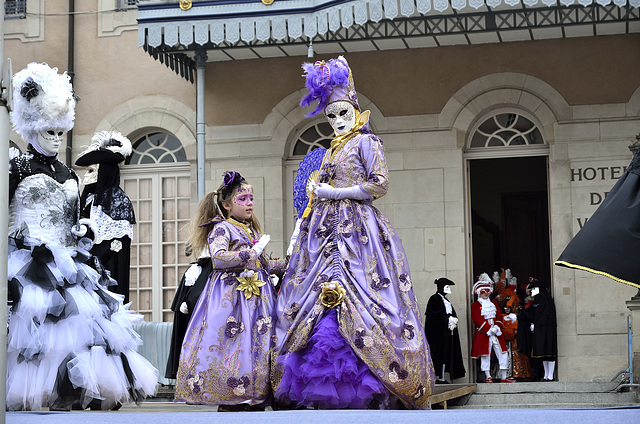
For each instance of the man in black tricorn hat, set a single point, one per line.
(542, 316)
(107, 206)
(441, 329)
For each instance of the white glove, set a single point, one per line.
(531, 327)
(294, 237)
(79, 230)
(184, 308)
(89, 223)
(494, 331)
(453, 323)
(326, 191)
(261, 244)
(511, 317)
(84, 245)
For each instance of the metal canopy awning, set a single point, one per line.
(249, 29)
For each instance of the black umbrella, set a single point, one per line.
(609, 242)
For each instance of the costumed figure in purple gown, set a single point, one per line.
(225, 354)
(349, 332)
(70, 342)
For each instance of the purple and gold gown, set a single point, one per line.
(225, 353)
(372, 347)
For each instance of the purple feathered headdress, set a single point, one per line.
(328, 82)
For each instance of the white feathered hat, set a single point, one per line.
(43, 99)
(484, 282)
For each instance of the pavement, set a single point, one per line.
(168, 412)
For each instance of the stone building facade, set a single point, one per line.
(448, 115)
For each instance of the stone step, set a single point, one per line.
(547, 387)
(547, 395)
(551, 398)
(543, 406)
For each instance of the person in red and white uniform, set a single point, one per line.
(488, 320)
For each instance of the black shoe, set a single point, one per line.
(95, 405)
(442, 382)
(242, 407)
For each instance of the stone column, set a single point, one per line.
(634, 306)
(201, 63)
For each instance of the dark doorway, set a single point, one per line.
(510, 217)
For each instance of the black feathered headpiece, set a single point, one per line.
(231, 180)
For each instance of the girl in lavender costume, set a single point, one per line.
(225, 354)
(348, 333)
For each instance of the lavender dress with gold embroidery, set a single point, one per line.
(225, 353)
(372, 345)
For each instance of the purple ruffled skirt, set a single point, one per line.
(327, 373)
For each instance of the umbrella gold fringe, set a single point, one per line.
(594, 271)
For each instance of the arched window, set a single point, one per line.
(317, 135)
(157, 147)
(505, 129)
(157, 179)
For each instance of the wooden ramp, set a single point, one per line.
(445, 392)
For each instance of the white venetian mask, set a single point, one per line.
(50, 140)
(91, 176)
(446, 289)
(341, 116)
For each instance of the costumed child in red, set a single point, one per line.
(511, 309)
(487, 318)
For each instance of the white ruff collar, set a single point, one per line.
(488, 310)
(447, 305)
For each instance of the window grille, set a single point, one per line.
(506, 129)
(156, 148)
(126, 4)
(317, 135)
(15, 9)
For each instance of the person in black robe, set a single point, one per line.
(108, 207)
(187, 294)
(441, 329)
(541, 317)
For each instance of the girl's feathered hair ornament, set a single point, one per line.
(230, 181)
(43, 99)
(328, 82)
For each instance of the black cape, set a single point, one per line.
(443, 343)
(117, 205)
(608, 241)
(190, 295)
(544, 339)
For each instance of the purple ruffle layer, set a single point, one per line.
(327, 373)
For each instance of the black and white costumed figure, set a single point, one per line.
(187, 294)
(107, 206)
(541, 315)
(441, 329)
(70, 342)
